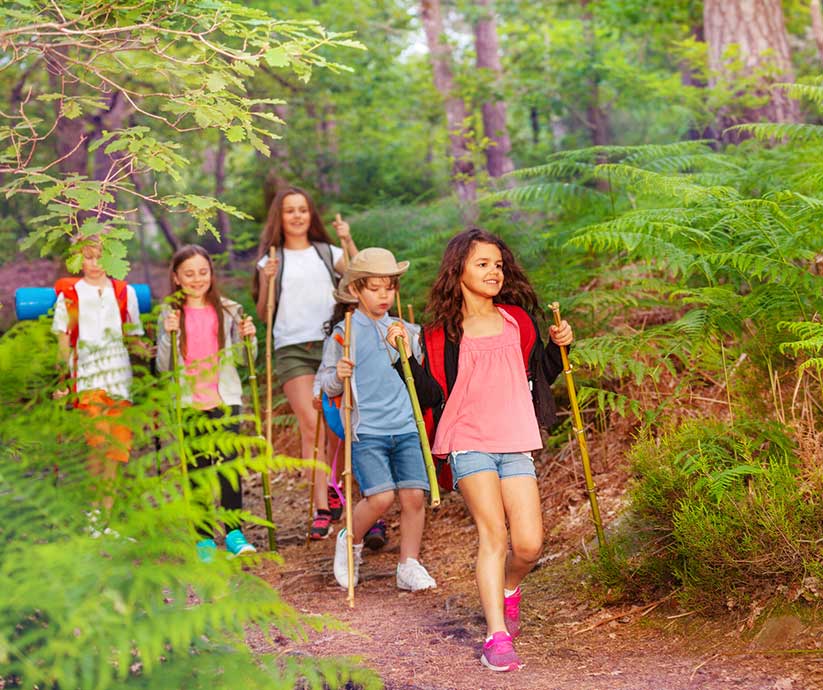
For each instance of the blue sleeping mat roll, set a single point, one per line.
(34, 302)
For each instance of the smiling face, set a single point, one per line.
(296, 218)
(375, 295)
(483, 271)
(194, 277)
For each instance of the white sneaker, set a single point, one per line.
(413, 576)
(341, 560)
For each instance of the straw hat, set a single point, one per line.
(372, 262)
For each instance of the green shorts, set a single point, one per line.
(300, 359)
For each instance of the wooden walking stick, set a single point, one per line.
(411, 313)
(579, 432)
(269, 338)
(421, 425)
(255, 397)
(347, 406)
(178, 418)
(315, 453)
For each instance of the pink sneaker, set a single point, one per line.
(499, 655)
(511, 613)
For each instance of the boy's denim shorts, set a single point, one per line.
(465, 463)
(384, 463)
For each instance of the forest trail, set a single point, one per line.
(432, 640)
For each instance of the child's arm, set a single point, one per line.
(429, 393)
(59, 327)
(327, 379)
(341, 227)
(169, 321)
(266, 271)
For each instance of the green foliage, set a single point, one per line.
(719, 512)
(98, 601)
(149, 72)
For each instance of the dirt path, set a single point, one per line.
(432, 640)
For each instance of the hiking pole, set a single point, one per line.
(178, 417)
(255, 397)
(421, 426)
(577, 425)
(315, 453)
(347, 459)
(411, 313)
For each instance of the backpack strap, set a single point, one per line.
(121, 294)
(528, 332)
(67, 288)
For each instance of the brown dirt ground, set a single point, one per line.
(432, 640)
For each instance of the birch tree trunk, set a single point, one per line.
(463, 177)
(817, 25)
(486, 45)
(223, 220)
(758, 28)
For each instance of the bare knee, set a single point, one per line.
(412, 500)
(381, 502)
(493, 541)
(528, 550)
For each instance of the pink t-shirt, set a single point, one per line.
(202, 356)
(490, 407)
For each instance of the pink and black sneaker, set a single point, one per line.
(499, 655)
(321, 525)
(511, 613)
(335, 504)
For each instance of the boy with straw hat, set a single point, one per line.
(386, 455)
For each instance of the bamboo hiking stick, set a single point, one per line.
(178, 417)
(269, 337)
(411, 313)
(577, 425)
(421, 426)
(255, 397)
(347, 456)
(319, 421)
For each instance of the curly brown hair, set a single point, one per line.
(445, 305)
(272, 233)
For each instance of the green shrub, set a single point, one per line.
(719, 511)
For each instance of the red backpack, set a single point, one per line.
(67, 288)
(434, 340)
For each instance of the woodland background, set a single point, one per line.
(655, 165)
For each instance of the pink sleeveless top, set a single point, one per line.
(202, 358)
(490, 407)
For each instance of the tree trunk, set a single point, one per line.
(326, 127)
(596, 117)
(817, 25)
(487, 49)
(463, 177)
(758, 29)
(223, 221)
(162, 223)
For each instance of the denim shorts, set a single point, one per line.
(385, 463)
(464, 463)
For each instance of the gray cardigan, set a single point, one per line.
(228, 385)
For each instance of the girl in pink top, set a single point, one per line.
(487, 414)
(210, 331)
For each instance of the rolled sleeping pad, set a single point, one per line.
(34, 302)
(331, 411)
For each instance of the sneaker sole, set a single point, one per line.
(407, 588)
(374, 543)
(513, 666)
(318, 537)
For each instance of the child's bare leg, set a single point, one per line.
(521, 500)
(299, 394)
(106, 471)
(482, 494)
(367, 511)
(412, 521)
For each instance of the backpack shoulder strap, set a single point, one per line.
(323, 250)
(528, 331)
(67, 288)
(121, 294)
